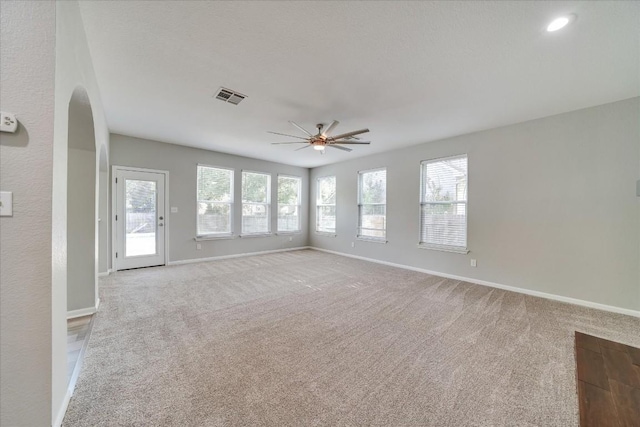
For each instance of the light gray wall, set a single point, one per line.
(81, 204)
(80, 228)
(73, 69)
(44, 58)
(181, 163)
(103, 225)
(27, 52)
(552, 205)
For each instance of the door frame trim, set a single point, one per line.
(114, 198)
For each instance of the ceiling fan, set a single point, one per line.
(324, 139)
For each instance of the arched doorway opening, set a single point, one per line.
(103, 212)
(81, 214)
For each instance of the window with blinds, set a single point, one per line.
(214, 201)
(326, 204)
(372, 204)
(256, 203)
(443, 204)
(289, 203)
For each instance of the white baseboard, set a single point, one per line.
(83, 311)
(104, 273)
(216, 258)
(574, 301)
(63, 409)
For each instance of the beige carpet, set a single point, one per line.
(307, 338)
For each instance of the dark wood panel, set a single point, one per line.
(612, 345)
(634, 353)
(596, 407)
(588, 342)
(608, 382)
(591, 368)
(627, 401)
(619, 367)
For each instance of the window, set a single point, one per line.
(326, 205)
(289, 203)
(214, 201)
(443, 204)
(372, 204)
(256, 203)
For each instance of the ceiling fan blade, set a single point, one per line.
(302, 148)
(355, 132)
(350, 142)
(339, 147)
(331, 127)
(290, 142)
(284, 134)
(300, 127)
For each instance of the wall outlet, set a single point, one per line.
(353, 244)
(8, 122)
(474, 263)
(198, 246)
(290, 238)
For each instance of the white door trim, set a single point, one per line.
(114, 170)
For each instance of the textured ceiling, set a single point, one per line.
(412, 72)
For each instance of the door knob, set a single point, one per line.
(161, 218)
(160, 224)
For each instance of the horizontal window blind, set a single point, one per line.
(214, 201)
(443, 207)
(289, 203)
(372, 204)
(326, 204)
(256, 203)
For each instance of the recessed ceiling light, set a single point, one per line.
(560, 22)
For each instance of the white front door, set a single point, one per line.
(139, 218)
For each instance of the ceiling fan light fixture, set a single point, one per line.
(322, 140)
(560, 22)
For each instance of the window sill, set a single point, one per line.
(214, 237)
(371, 240)
(325, 233)
(444, 249)
(244, 236)
(288, 233)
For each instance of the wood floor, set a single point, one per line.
(608, 382)
(78, 330)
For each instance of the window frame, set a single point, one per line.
(359, 236)
(299, 205)
(436, 247)
(320, 205)
(268, 204)
(231, 203)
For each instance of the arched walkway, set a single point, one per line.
(103, 211)
(81, 210)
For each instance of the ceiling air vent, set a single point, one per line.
(229, 96)
(235, 99)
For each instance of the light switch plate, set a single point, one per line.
(6, 203)
(174, 209)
